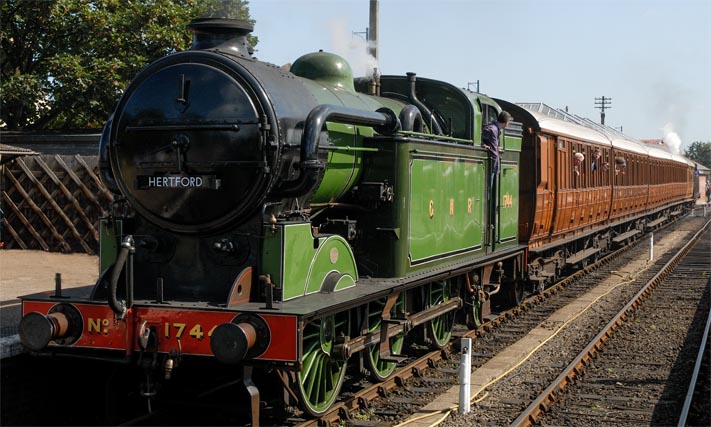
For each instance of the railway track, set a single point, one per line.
(641, 374)
(430, 374)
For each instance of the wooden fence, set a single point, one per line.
(53, 203)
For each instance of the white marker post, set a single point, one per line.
(465, 376)
(651, 246)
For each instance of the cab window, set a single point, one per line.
(489, 114)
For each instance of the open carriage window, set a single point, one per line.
(578, 169)
(620, 168)
(597, 166)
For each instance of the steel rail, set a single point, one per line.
(694, 377)
(545, 400)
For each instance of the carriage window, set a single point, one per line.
(621, 169)
(595, 166)
(603, 167)
(564, 164)
(585, 167)
(578, 166)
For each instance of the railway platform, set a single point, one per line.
(25, 272)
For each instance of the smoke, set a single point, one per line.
(671, 139)
(670, 103)
(353, 47)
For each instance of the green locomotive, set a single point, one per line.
(298, 220)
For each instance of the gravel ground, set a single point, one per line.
(642, 374)
(511, 395)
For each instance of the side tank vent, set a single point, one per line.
(221, 33)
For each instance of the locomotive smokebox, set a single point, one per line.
(194, 144)
(221, 33)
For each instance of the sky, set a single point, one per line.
(651, 57)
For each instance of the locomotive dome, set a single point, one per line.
(325, 68)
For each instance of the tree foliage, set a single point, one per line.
(699, 152)
(65, 63)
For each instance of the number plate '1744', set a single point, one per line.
(207, 182)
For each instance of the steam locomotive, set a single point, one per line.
(304, 221)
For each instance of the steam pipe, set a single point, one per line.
(384, 121)
(119, 307)
(412, 78)
(128, 241)
(411, 119)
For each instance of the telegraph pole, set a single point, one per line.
(603, 103)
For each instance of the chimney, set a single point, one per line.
(223, 34)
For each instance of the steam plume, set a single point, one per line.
(671, 139)
(353, 48)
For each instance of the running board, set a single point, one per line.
(655, 223)
(624, 236)
(581, 255)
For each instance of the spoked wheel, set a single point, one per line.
(440, 328)
(475, 316)
(324, 363)
(516, 287)
(380, 370)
